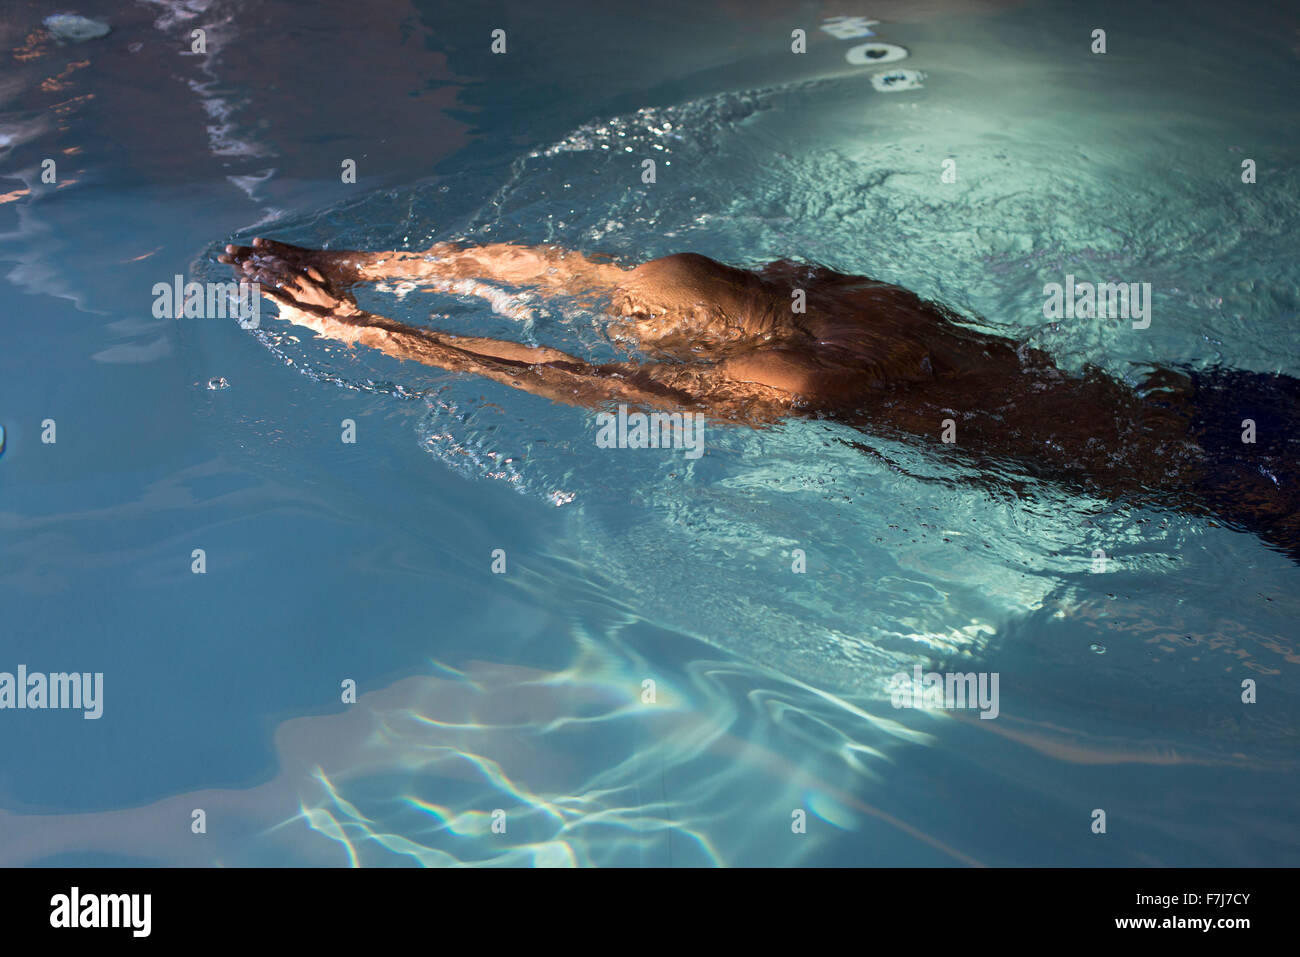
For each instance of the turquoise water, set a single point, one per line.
(525, 692)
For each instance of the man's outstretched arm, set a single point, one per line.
(550, 269)
(305, 300)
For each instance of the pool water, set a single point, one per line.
(569, 655)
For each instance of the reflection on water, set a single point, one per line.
(587, 764)
(502, 764)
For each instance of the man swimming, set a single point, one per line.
(735, 345)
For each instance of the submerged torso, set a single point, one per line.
(798, 340)
(794, 340)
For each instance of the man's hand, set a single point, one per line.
(290, 276)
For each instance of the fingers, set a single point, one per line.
(329, 270)
(267, 271)
(286, 275)
(234, 254)
(269, 254)
(285, 251)
(257, 261)
(261, 247)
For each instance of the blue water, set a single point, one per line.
(526, 692)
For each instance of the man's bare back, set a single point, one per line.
(791, 339)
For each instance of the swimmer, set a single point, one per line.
(706, 337)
